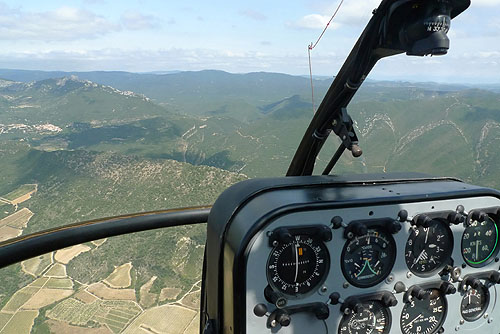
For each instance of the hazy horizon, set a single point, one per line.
(316, 77)
(147, 36)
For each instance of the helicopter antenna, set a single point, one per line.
(311, 46)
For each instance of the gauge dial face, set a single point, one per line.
(480, 242)
(299, 266)
(424, 316)
(474, 303)
(375, 318)
(428, 248)
(368, 259)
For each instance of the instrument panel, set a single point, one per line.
(413, 268)
(418, 266)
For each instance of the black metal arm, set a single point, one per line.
(28, 246)
(417, 27)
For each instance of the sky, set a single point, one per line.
(234, 36)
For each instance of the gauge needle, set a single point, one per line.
(296, 261)
(477, 250)
(422, 254)
(408, 324)
(426, 235)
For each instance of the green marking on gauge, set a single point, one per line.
(492, 251)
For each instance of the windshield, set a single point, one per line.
(109, 108)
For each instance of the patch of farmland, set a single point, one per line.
(37, 265)
(67, 254)
(21, 322)
(194, 326)
(85, 297)
(46, 297)
(168, 319)
(115, 314)
(74, 311)
(147, 299)
(104, 292)
(7, 232)
(169, 293)
(19, 298)
(99, 242)
(59, 283)
(4, 318)
(40, 282)
(61, 327)
(6, 209)
(21, 194)
(119, 314)
(191, 300)
(120, 277)
(18, 219)
(57, 270)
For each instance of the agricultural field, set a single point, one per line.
(21, 322)
(13, 225)
(99, 242)
(18, 220)
(59, 283)
(57, 270)
(35, 266)
(61, 327)
(107, 293)
(46, 296)
(148, 299)
(67, 254)
(120, 277)
(168, 319)
(21, 194)
(169, 294)
(7, 232)
(19, 299)
(116, 315)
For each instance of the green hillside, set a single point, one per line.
(66, 100)
(82, 185)
(95, 151)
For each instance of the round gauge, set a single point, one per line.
(424, 316)
(474, 303)
(428, 248)
(297, 267)
(368, 259)
(480, 242)
(374, 318)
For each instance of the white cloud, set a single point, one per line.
(313, 21)
(476, 66)
(134, 20)
(350, 13)
(355, 12)
(64, 23)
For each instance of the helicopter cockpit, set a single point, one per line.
(354, 254)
